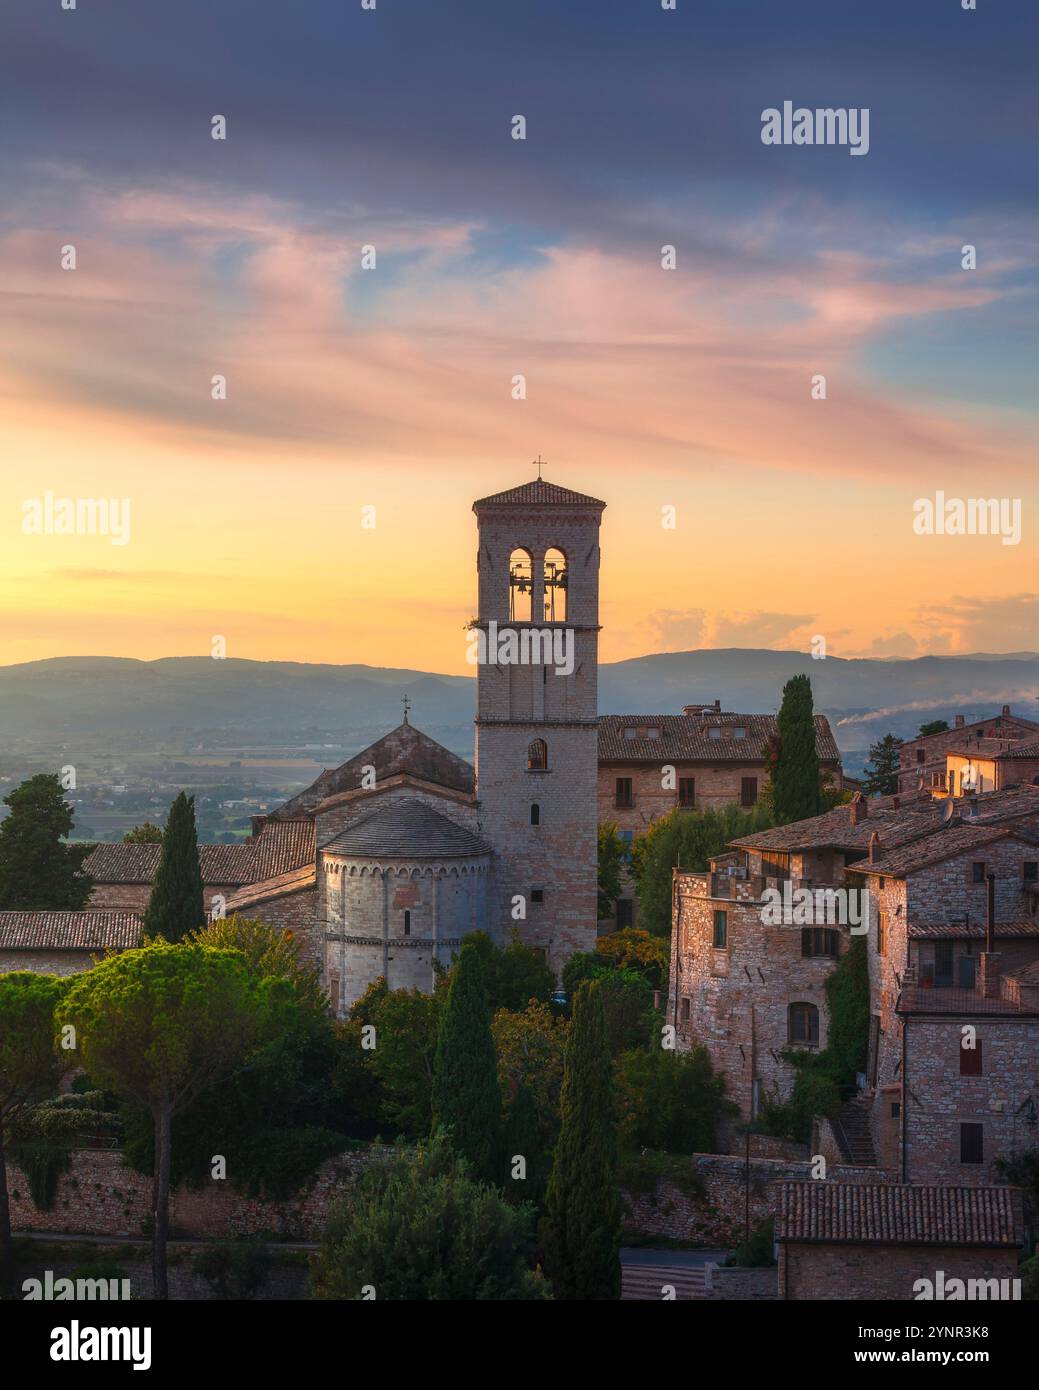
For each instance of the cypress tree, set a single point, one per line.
(522, 1139)
(177, 903)
(796, 792)
(466, 1095)
(582, 1227)
(37, 869)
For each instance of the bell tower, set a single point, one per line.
(537, 643)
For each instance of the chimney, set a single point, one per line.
(718, 705)
(896, 802)
(874, 847)
(859, 808)
(990, 913)
(959, 721)
(1006, 709)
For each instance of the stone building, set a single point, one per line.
(888, 1241)
(923, 762)
(951, 910)
(745, 989)
(705, 757)
(948, 898)
(392, 858)
(63, 943)
(384, 864)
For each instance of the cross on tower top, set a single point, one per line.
(539, 463)
(407, 705)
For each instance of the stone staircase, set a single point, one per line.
(647, 1282)
(851, 1130)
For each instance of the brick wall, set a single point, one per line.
(882, 1271)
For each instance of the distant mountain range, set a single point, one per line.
(175, 702)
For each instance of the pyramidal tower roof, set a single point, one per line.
(539, 494)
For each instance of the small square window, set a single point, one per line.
(921, 755)
(1030, 870)
(537, 895)
(977, 871)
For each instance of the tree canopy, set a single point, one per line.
(38, 870)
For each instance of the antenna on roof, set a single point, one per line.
(407, 705)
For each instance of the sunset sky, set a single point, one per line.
(392, 387)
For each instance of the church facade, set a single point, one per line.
(385, 863)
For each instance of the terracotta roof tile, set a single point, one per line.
(893, 1214)
(686, 738)
(958, 1003)
(957, 931)
(944, 843)
(221, 864)
(295, 881)
(69, 931)
(538, 493)
(410, 829)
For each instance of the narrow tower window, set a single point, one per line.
(521, 587)
(555, 586)
(535, 814)
(407, 923)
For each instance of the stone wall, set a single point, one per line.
(882, 1271)
(939, 1099)
(735, 1001)
(288, 1277)
(747, 1285)
(708, 1208)
(48, 962)
(99, 1196)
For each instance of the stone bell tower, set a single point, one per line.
(537, 639)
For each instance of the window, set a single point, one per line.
(739, 733)
(748, 791)
(803, 1024)
(521, 587)
(943, 964)
(625, 913)
(555, 587)
(972, 1143)
(921, 755)
(721, 930)
(624, 798)
(407, 923)
(714, 732)
(896, 1109)
(977, 872)
(970, 1059)
(685, 1011)
(1030, 870)
(535, 814)
(537, 895)
(967, 972)
(687, 791)
(627, 838)
(818, 941)
(537, 756)
(881, 933)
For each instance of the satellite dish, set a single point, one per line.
(948, 811)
